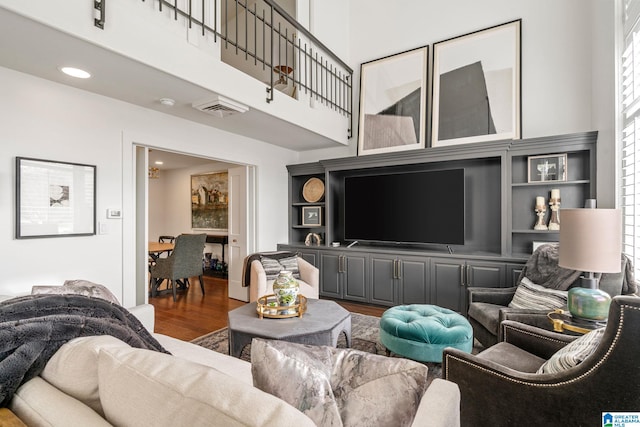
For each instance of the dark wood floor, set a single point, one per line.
(193, 314)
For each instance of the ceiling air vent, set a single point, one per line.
(220, 106)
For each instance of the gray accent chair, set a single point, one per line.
(489, 307)
(499, 386)
(185, 261)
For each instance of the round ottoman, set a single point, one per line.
(420, 331)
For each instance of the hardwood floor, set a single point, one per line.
(193, 314)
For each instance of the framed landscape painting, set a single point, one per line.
(393, 103)
(476, 87)
(210, 201)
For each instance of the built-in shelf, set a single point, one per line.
(550, 183)
(535, 231)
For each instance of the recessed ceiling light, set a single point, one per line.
(75, 72)
(167, 102)
(159, 163)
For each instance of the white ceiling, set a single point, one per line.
(39, 50)
(179, 161)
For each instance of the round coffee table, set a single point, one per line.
(321, 324)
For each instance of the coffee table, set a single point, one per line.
(321, 324)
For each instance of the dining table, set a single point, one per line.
(156, 249)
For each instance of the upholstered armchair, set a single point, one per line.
(260, 285)
(500, 386)
(488, 307)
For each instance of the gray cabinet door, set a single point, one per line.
(384, 281)
(485, 274)
(414, 279)
(312, 257)
(447, 283)
(330, 275)
(513, 272)
(354, 276)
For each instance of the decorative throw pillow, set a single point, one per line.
(535, 297)
(78, 287)
(147, 388)
(274, 266)
(573, 353)
(73, 369)
(337, 387)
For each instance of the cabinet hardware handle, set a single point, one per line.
(461, 275)
(399, 271)
(469, 275)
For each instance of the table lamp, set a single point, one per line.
(591, 242)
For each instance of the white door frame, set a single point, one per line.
(135, 205)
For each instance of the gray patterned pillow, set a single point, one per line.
(535, 297)
(337, 387)
(274, 266)
(78, 287)
(573, 353)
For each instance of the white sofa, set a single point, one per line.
(101, 381)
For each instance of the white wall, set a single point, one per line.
(170, 203)
(47, 120)
(567, 60)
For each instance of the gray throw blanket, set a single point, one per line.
(34, 327)
(542, 268)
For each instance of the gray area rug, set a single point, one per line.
(364, 337)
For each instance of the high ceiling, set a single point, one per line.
(39, 50)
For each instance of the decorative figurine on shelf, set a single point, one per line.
(554, 203)
(541, 210)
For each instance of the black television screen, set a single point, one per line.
(415, 207)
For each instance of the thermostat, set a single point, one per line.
(114, 213)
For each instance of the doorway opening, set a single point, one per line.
(164, 206)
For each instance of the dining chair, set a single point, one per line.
(184, 262)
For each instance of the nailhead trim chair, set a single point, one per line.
(499, 386)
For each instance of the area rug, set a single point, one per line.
(364, 337)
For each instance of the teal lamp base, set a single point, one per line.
(589, 303)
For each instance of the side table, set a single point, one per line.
(9, 419)
(563, 321)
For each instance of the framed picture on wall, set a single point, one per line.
(393, 103)
(210, 201)
(311, 216)
(476, 86)
(54, 199)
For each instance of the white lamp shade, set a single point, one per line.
(591, 240)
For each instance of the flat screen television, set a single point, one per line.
(424, 207)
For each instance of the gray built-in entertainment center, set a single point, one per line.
(499, 216)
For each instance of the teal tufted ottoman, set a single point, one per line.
(420, 331)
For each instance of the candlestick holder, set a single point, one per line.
(541, 210)
(554, 221)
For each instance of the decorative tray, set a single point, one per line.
(267, 306)
(313, 190)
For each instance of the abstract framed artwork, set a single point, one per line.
(210, 201)
(393, 102)
(476, 86)
(54, 199)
